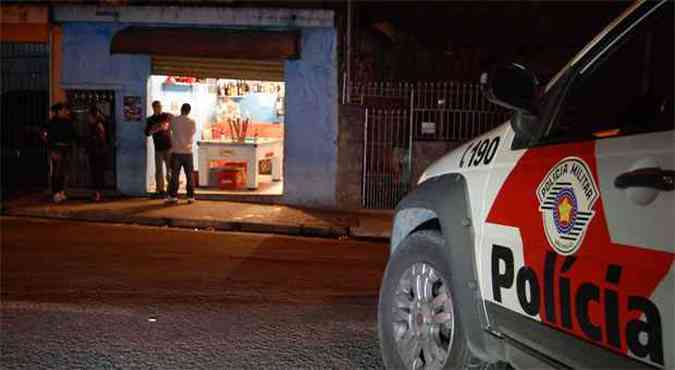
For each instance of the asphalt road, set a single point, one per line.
(83, 295)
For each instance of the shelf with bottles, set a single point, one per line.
(237, 89)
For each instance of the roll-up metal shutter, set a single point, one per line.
(258, 70)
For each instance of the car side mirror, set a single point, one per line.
(511, 86)
(514, 87)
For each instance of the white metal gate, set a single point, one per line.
(400, 114)
(386, 157)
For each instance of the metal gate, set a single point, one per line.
(24, 108)
(452, 111)
(81, 100)
(400, 114)
(386, 157)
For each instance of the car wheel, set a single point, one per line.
(418, 323)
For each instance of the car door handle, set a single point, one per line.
(652, 177)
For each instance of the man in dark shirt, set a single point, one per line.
(59, 135)
(157, 125)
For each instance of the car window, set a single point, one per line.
(626, 91)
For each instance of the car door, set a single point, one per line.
(579, 242)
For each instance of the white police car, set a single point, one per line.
(548, 242)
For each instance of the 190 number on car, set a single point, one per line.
(480, 152)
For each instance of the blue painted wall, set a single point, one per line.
(311, 121)
(87, 63)
(311, 107)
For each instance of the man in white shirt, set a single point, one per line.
(183, 131)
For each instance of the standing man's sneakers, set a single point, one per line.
(171, 200)
(191, 200)
(58, 198)
(63, 196)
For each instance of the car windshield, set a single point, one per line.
(565, 70)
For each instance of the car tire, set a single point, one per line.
(420, 249)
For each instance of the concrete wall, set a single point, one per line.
(24, 23)
(311, 107)
(350, 156)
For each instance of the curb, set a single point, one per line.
(314, 231)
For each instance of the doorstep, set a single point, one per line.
(239, 198)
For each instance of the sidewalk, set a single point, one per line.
(212, 215)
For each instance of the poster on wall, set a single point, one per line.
(133, 110)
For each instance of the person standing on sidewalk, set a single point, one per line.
(183, 131)
(97, 146)
(59, 135)
(157, 125)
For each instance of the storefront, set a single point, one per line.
(240, 132)
(262, 83)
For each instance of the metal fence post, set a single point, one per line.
(410, 138)
(364, 195)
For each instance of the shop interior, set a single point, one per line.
(238, 146)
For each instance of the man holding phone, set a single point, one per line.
(157, 125)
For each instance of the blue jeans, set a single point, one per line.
(178, 161)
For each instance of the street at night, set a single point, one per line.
(85, 295)
(419, 185)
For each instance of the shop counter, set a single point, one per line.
(251, 152)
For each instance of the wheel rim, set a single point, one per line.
(423, 320)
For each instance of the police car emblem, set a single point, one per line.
(566, 198)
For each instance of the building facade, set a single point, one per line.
(110, 53)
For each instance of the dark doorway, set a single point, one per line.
(24, 155)
(81, 101)
(24, 108)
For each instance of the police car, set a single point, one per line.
(548, 242)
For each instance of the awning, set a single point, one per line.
(207, 43)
